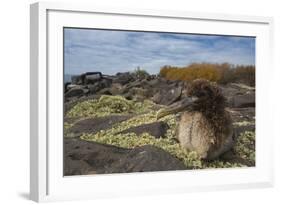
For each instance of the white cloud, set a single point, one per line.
(120, 51)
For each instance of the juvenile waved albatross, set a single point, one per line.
(205, 126)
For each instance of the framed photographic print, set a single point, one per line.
(127, 102)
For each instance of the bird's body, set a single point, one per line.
(205, 126)
(195, 133)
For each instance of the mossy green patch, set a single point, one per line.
(66, 127)
(243, 123)
(144, 114)
(131, 140)
(108, 105)
(245, 146)
(221, 164)
(167, 143)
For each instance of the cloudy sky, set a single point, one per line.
(119, 51)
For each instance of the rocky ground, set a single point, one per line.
(110, 125)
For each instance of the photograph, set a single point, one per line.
(145, 101)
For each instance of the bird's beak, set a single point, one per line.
(178, 107)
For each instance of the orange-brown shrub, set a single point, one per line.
(221, 73)
(245, 74)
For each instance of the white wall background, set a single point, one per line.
(14, 101)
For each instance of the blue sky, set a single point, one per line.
(120, 51)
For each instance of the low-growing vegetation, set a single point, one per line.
(108, 105)
(245, 146)
(144, 114)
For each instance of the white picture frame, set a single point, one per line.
(47, 182)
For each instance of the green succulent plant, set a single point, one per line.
(143, 113)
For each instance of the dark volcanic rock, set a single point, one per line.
(154, 83)
(93, 157)
(76, 167)
(242, 114)
(239, 95)
(157, 97)
(241, 129)
(156, 129)
(76, 79)
(146, 158)
(167, 96)
(66, 86)
(231, 157)
(116, 89)
(240, 101)
(92, 77)
(241, 86)
(94, 88)
(76, 91)
(134, 84)
(229, 91)
(97, 86)
(82, 157)
(86, 78)
(139, 94)
(105, 91)
(94, 125)
(123, 78)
